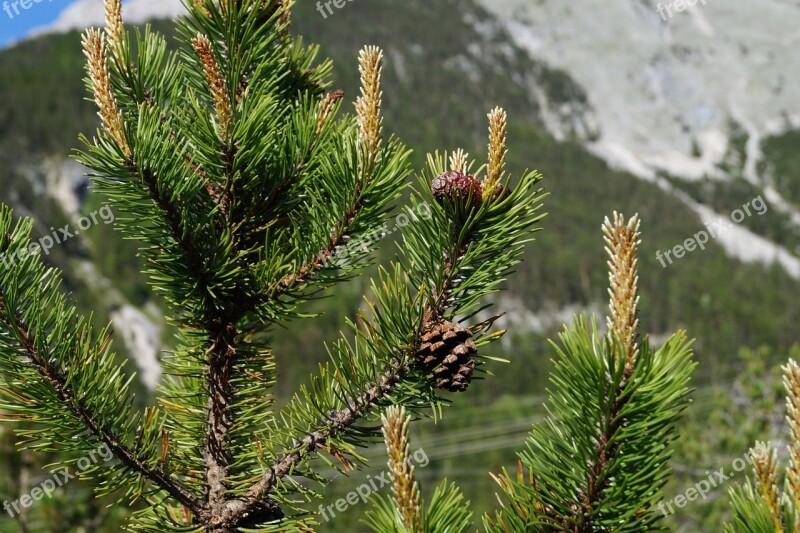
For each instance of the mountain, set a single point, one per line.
(617, 109)
(678, 94)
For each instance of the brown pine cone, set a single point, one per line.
(446, 353)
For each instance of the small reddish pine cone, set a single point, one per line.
(453, 187)
(446, 354)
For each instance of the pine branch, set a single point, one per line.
(359, 406)
(759, 505)
(177, 225)
(52, 361)
(599, 460)
(395, 340)
(222, 353)
(87, 417)
(335, 424)
(360, 195)
(218, 319)
(221, 330)
(221, 357)
(622, 240)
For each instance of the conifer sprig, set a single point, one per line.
(599, 460)
(442, 274)
(405, 512)
(214, 351)
(62, 376)
(760, 505)
(401, 471)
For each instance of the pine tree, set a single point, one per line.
(250, 193)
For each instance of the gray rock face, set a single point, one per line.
(666, 87)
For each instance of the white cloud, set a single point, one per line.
(85, 13)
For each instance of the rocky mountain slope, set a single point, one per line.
(672, 92)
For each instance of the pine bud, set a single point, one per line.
(765, 468)
(216, 84)
(498, 148)
(326, 108)
(368, 106)
(458, 161)
(791, 382)
(94, 48)
(114, 32)
(404, 487)
(622, 243)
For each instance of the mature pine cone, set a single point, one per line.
(446, 353)
(453, 187)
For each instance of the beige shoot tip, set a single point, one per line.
(216, 84)
(622, 243)
(498, 148)
(459, 161)
(94, 48)
(404, 488)
(368, 104)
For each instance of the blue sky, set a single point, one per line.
(32, 13)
